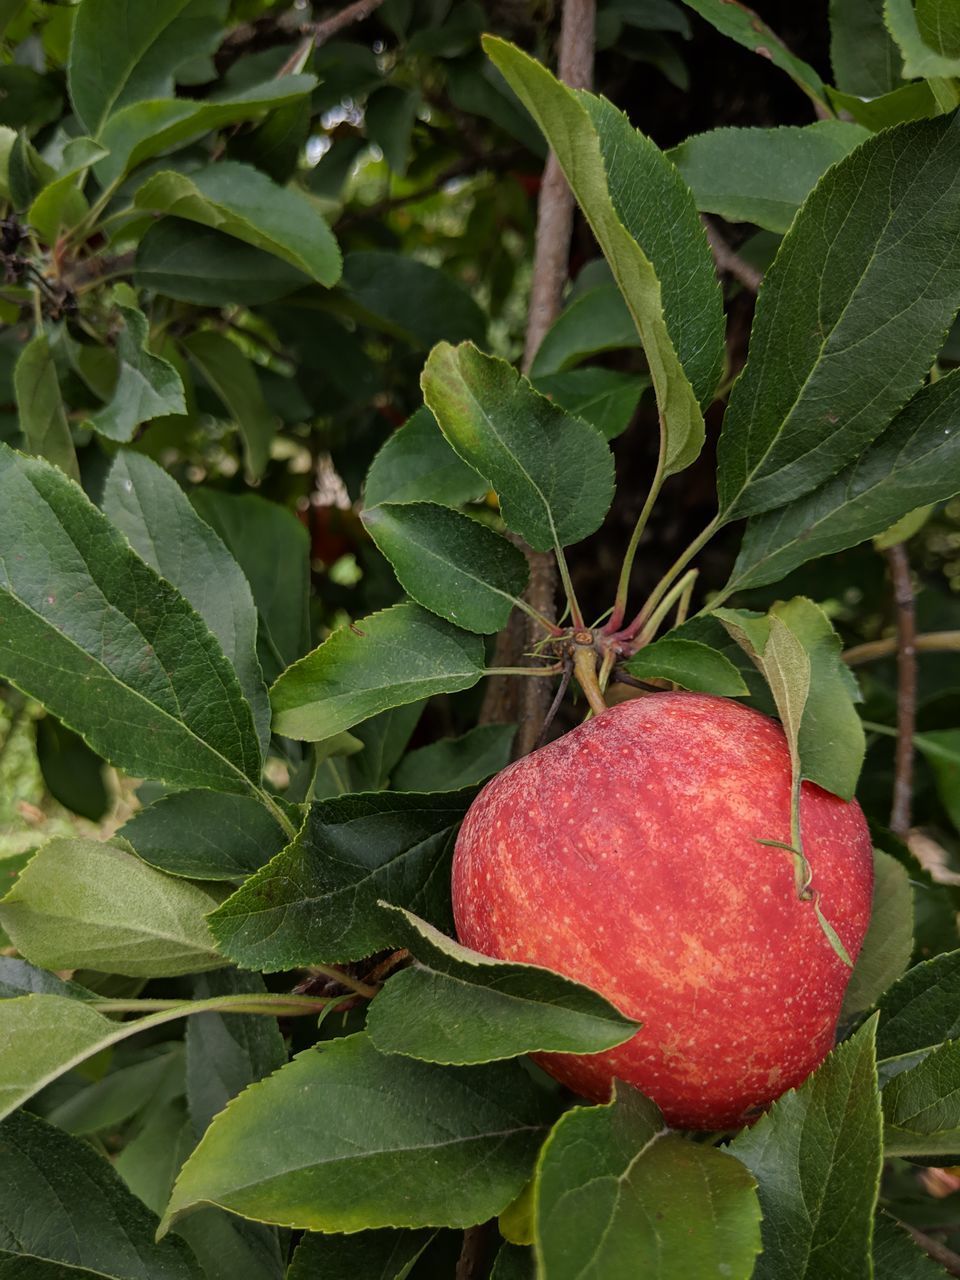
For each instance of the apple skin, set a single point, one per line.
(625, 855)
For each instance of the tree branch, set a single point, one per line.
(899, 565)
(930, 642)
(551, 259)
(949, 1260)
(730, 262)
(318, 33)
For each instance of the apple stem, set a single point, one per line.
(585, 668)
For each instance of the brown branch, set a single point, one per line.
(551, 258)
(899, 565)
(949, 1260)
(929, 642)
(318, 33)
(729, 262)
(476, 1255)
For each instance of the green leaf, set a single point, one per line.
(553, 472)
(147, 387)
(690, 664)
(345, 1139)
(72, 773)
(595, 321)
(412, 298)
(390, 116)
(921, 1106)
(42, 417)
(27, 172)
(82, 903)
(604, 398)
(121, 1095)
(234, 379)
(910, 102)
(513, 1262)
(914, 462)
(798, 652)
(851, 316)
(205, 835)
(368, 1255)
(398, 655)
(111, 649)
(18, 978)
(29, 100)
(153, 513)
(762, 175)
(65, 1212)
(226, 1052)
(645, 221)
(456, 1006)
(941, 749)
(147, 129)
(318, 900)
(939, 25)
(454, 566)
(619, 1196)
(896, 1257)
(62, 203)
(922, 1009)
(123, 51)
(272, 548)
(920, 34)
(197, 264)
(417, 465)
(380, 742)
(741, 24)
(865, 60)
(887, 948)
(242, 202)
(817, 1156)
(451, 763)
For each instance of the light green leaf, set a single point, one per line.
(234, 379)
(148, 129)
(81, 903)
(865, 60)
(595, 321)
(923, 34)
(887, 948)
(147, 387)
(345, 1139)
(42, 417)
(64, 1212)
(817, 1156)
(454, 566)
(243, 202)
(618, 1196)
(110, 648)
(553, 473)
(398, 655)
(690, 664)
(451, 763)
(456, 1006)
(368, 1255)
(417, 465)
(941, 749)
(914, 462)
(62, 202)
(914, 101)
(318, 900)
(921, 1106)
(741, 24)
(851, 316)
(604, 398)
(648, 229)
(123, 51)
(153, 513)
(205, 835)
(762, 175)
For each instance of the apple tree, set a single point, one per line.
(406, 394)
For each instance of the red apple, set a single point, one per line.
(627, 855)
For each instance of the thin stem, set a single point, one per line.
(576, 616)
(558, 697)
(345, 980)
(537, 616)
(523, 671)
(288, 1006)
(872, 727)
(623, 585)
(278, 815)
(930, 642)
(585, 669)
(668, 579)
(318, 33)
(683, 606)
(899, 564)
(949, 1260)
(676, 593)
